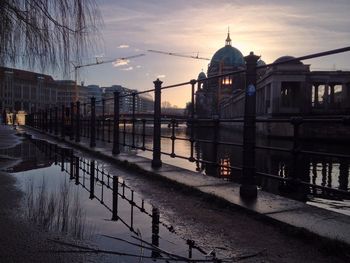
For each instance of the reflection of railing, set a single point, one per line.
(89, 174)
(94, 127)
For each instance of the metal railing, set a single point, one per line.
(124, 132)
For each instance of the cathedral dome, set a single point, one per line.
(229, 55)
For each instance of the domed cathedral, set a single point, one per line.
(211, 93)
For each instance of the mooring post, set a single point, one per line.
(248, 187)
(92, 179)
(62, 122)
(156, 161)
(115, 149)
(77, 164)
(115, 197)
(77, 123)
(93, 123)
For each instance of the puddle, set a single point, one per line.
(85, 202)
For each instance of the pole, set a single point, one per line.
(77, 123)
(248, 187)
(116, 124)
(93, 123)
(156, 161)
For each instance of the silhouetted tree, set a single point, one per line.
(46, 32)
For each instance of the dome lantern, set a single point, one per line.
(228, 39)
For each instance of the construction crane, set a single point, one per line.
(177, 54)
(76, 67)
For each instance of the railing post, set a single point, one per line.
(71, 165)
(115, 149)
(248, 187)
(77, 164)
(133, 118)
(56, 121)
(77, 123)
(193, 82)
(156, 161)
(62, 122)
(103, 119)
(50, 121)
(115, 198)
(71, 132)
(92, 179)
(93, 123)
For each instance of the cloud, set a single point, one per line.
(123, 46)
(120, 62)
(162, 76)
(127, 69)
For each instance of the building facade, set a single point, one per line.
(27, 91)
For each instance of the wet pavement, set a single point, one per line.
(185, 214)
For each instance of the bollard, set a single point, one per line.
(156, 161)
(115, 149)
(115, 198)
(248, 187)
(92, 178)
(93, 123)
(77, 123)
(77, 170)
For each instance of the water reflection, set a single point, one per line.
(224, 159)
(101, 206)
(59, 211)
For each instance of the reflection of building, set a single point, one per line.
(24, 90)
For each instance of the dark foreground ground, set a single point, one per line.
(20, 241)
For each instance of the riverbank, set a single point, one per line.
(20, 240)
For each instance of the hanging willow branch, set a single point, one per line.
(47, 33)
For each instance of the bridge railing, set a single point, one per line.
(122, 130)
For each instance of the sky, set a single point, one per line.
(268, 28)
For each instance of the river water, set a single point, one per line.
(326, 171)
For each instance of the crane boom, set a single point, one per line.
(76, 67)
(108, 61)
(177, 54)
